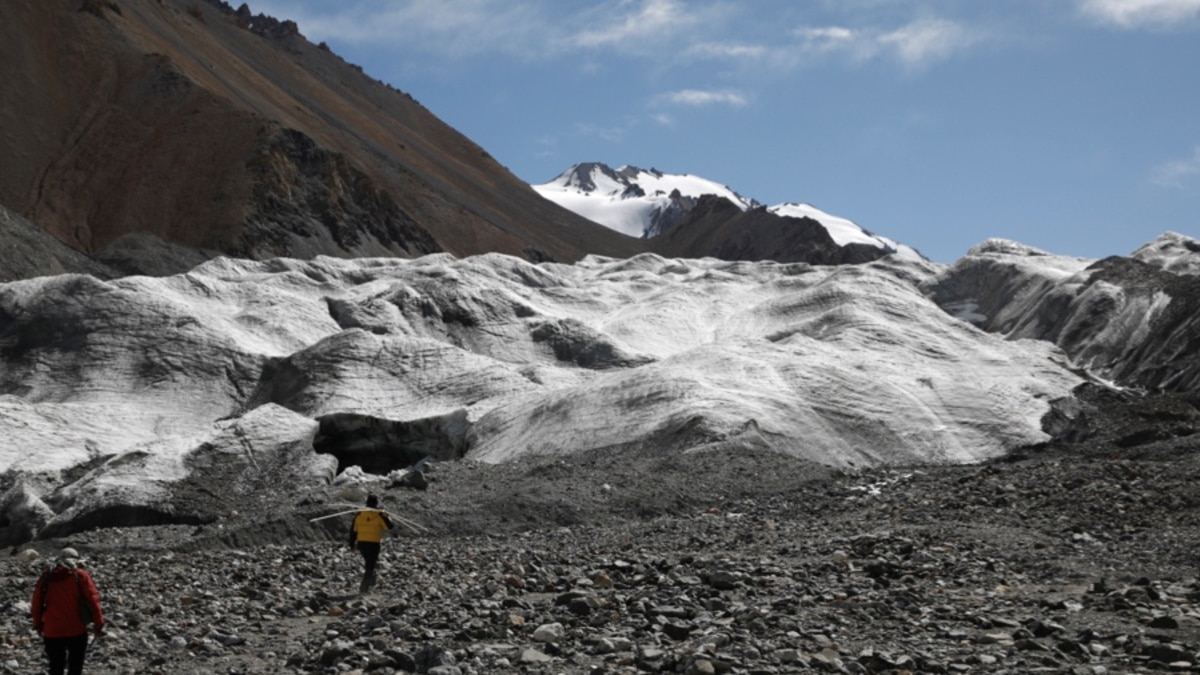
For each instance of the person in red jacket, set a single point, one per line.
(366, 534)
(65, 601)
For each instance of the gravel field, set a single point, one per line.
(1062, 559)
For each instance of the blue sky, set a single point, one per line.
(1070, 125)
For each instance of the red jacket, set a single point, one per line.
(56, 602)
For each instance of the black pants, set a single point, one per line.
(66, 653)
(370, 554)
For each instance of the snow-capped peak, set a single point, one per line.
(645, 203)
(634, 201)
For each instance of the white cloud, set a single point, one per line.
(663, 119)
(1178, 173)
(827, 38)
(524, 29)
(714, 50)
(650, 20)
(700, 97)
(666, 30)
(1138, 13)
(455, 28)
(927, 40)
(914, 45)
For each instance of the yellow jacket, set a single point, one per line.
(369, 525)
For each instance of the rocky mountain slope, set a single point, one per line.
(1131, 319)
(714, 227)
(127, 123)
(27, 251)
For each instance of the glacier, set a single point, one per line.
(118, 393)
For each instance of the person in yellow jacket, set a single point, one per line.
(365, 535)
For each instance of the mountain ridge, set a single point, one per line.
(654, 202)
(650, 204)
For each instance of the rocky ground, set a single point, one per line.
(1061, 559)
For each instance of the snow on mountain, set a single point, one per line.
(844, 231)
(1173, 252)
(644, 203)
(636, 202)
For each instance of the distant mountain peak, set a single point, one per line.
(583, 176)
(647, 203)
(635, 201)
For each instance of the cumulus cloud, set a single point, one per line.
(1178, 173)
(1138, 13)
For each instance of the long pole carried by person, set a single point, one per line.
(415, 527)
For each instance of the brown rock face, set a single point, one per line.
(716, 228)
(229, 133)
